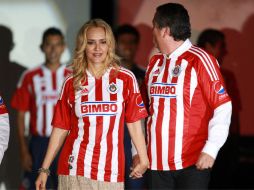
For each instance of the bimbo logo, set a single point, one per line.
(219, 89)
(167, 90)
(99, 108)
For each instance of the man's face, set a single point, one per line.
(127, 46)
(53, 47)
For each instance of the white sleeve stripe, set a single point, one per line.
(204, 63)
(67, 79)
(207, 61)
(135, 84)
(210, 63)
(133, 77)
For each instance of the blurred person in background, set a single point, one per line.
(10, 72)
(127, 38)
(37, 93)
(4, 128)
(224, 170)
(90, 113)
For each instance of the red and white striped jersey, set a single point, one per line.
(37, 92)
(182, 91)
(95, 116)
(4, 128)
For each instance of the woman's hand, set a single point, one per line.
(41, 181)
(138, 167)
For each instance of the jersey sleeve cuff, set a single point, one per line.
(211, 149)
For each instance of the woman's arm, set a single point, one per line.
(56, 141)
(138, 139)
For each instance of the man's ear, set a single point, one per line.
(165, 31)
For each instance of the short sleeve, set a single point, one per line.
(62, 114)
(212, 83)
(20, 99)
(135, 108)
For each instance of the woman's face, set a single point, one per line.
(97, 47)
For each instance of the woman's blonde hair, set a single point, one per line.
(80, 63)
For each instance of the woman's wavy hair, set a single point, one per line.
(80, 63)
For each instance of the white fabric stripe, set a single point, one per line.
(78, 140)
(49, 116)
(155, 115)
(92, 131)
(49, 105)
(150, 77)
(37, 89)
(193, 83)
(106, 121)
(210, 63)
(165, 126)
(63, 86)
(114, 161)
(135, 84)
(204, 63)
(179, 117)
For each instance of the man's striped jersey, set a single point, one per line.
(37, 92)
(182, 91)
(95, 116)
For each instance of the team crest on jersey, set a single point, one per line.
(219, 89)
(112, 88)
(176, 71)
(139, 101)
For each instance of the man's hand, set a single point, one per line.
(205, 161)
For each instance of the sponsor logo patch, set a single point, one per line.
(166, 90)
(218, 88)
(139, 101)
(99, 108)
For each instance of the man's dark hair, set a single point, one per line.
(52, 31)
(176, 17)
(127, 29)
(210, 36)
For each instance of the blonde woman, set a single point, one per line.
(90, 113)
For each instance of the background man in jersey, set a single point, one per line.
(4, 129)
(37, 93)
(224, 170)
(127, 38)
(189, 109)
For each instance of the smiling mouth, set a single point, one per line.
(97, 54)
